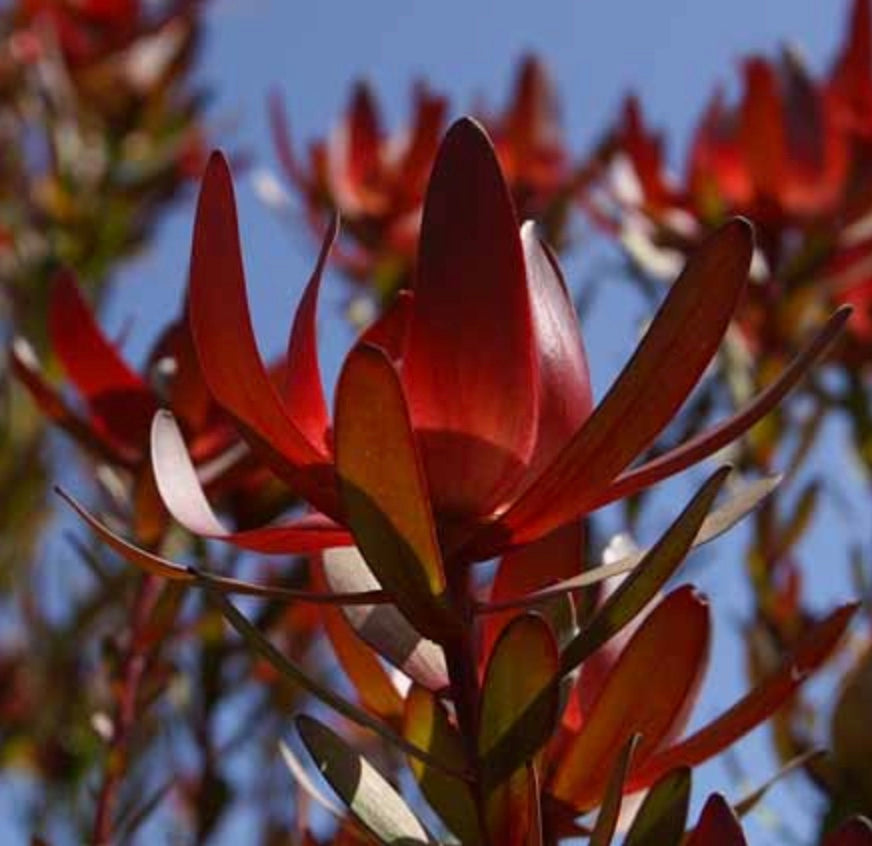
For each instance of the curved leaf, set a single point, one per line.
(386, 502)
(652, 572)
(224, 338)
(667, 364)
(368, 795)
(634, 700)
(815, 647)
(166, 569)
(709, 441)
(184, 498)
(663, 814)
(718, 521)
(426, 724)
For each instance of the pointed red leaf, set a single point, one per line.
(361, 137)
(117, 397)
(851, 79)
(762, 133)
(224, 337)
(710, 441)
(304, 391)
(667, 364)
(89, 358)
(470, 337)
(429, 120)
(565, 400)
(814, 648)
(675, 640)
(718, 825)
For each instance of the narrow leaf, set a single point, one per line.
(652, 572)
(304, 391)
(368, 795)
(297, 675)
(710, 441)
(667, 364)
(166, 569)
(812, 651)
(427, 726)
(662, 817)
(610, 807)
(386, 502)
(717, 522)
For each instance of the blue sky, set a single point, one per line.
(671, 52)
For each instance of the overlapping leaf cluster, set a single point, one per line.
(429, 536)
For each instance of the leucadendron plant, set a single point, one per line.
(464, 432)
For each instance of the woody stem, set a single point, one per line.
(461, 657)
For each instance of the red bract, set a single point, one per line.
(475, 384)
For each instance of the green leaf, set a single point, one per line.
(610, 809)
(386, 502)
(519, 698)
(426, 724)
(366, 792)
(663, 814)
(296, 674)
(718, 521)
(653, 571)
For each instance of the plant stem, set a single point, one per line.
(462, 660)
(131, 674)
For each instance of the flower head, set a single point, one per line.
(463, 422)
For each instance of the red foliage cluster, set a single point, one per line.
(376, 181)
(435, 521)
(505, 468)
(794, 155)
